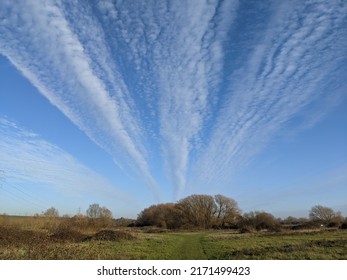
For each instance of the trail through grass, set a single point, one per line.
(190, 247)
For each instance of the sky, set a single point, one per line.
(134, 103)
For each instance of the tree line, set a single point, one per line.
(194, 211)
(201, 211)
(94, 211)
(206, 211)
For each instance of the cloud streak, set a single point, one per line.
(193, 85)
(25, 157)
(188, 78)
(282, 76)
(39, 41)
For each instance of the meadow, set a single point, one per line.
(24, 238)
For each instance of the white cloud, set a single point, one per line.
(189, 68)
(156, 77)
(282, 76)
(69, 56)
(25, 157)
(39, 40)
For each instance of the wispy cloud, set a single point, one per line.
(181, 46)
(75, 74)
(283, 75)
(66, 51)
(189, 76)
(195, 85)
(175, 49)
(25, 157)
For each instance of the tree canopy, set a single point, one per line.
(96, 211)
(51, 212)
(323, 214)
(194, 211)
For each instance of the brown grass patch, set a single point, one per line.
(16, 236)
(112, 235)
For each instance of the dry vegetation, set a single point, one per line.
(196, 227)
(317, 244)
(57, 238)
(85, 238)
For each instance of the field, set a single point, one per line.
(39, 238)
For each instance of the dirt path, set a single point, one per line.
(190, 247)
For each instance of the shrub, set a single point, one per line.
(258, 221)
(308, 225)
(161, 215)
(246, 229)
(66, 234)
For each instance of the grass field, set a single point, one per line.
(19, 240)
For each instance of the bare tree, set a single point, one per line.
(51, 212)
(194, 211)
(322, 214)
(96, 211)
(198, 210)
(105, 213)
(93, 211)
(162, 215)
(258, 221)
(227, 210)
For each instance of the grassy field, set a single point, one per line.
(42, 239)
(301, 245)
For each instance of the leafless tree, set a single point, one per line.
(105, 213)
(322, 214)
(96, 211)
(162, 215)
(198, 210)
(51, 213)
(258, 220)
(227, 210)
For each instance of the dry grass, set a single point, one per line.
(70, 238)
(297, 245)
(112, 235)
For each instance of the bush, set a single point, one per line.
(162, 215)
(247, 229)
(333, 224)
(258, 221)
(308, 225)
(66, 234)
(336, 221)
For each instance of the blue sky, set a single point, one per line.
(132, 103)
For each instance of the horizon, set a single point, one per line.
(133, 104)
